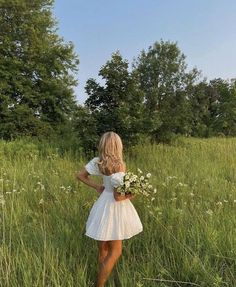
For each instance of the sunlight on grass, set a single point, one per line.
(189, 229)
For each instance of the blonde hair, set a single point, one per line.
(110, 150)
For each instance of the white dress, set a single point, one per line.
(110, 219)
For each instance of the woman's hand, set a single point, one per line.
(118, 196)
(100, 188)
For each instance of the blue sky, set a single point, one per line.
(204, 29)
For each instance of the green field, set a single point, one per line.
(189, 229)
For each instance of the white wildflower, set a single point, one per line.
(127, 184)
(41, 201)
(209, 211)
(139, 170)
(142, 178)
(148, 175)
(219, 203)
(171, 177)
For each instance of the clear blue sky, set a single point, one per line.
(204, 29)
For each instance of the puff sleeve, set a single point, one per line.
(117, 179)
(92, 166)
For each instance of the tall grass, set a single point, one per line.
(189, 229)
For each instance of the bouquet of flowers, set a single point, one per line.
(132, 183)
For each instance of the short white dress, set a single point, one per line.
(110, 219)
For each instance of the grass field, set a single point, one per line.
(189, 229)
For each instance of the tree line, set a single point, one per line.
(155, 97)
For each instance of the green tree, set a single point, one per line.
(204, 107)
(85, 128)
(36, 70)
(118, 105)
(165, 82)
(225, 119)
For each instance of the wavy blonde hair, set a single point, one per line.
(110, 150)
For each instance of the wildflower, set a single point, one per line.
(149, 186)
(226, 200)
(139, 170)
(155, 190)
(181, 184)
(219, 203)
(41, 201)
(141, 177)
(234, 200)
(191, 193)
(171, 177)
(148, 175)
(153, 198)
(127, 184)
(209, 211)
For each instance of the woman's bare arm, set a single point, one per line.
(119, 197)
(83, 176)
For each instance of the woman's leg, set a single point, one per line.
(102, 251)
(114, 252)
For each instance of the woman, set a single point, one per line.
(113, 217)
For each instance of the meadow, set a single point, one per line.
(189, 236)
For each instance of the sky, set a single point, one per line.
(205, 31)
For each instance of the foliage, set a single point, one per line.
(165, 81)
(36, 70)
(118, 104)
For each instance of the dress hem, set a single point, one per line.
(105, 239)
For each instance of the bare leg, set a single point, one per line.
(106, 266)
(102, 251)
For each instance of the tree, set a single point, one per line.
(118, 105)
(36, 70)
(85, 128)
(203, 104)
(165, 83)
(225, 119)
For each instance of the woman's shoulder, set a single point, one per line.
(92, 166)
